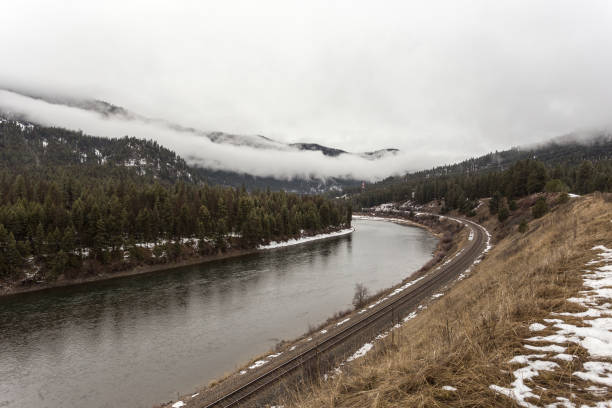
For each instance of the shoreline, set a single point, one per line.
(145, 269)
(338, 318)
(395, 220)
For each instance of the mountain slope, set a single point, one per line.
(559, 159)
(26, 145)
(109, 110)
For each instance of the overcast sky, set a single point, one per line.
(440, 80)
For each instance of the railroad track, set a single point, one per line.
(374, 319)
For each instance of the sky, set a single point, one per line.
(439, 80)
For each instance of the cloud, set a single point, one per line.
(201, 151)
(441, 81)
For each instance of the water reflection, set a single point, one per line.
(138, 340)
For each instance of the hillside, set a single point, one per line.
(576, 166)
(76, 207)
(228, 177)
(27, 146)
(529, 326)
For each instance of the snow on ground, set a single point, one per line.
(386, 207)
(290, 242)
(361, 352)
(573, 195)
(340, 323)
(449, 388)
(257, 364)
(537, 327)
(593, 333)
(178, 404)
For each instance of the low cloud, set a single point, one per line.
(201, 151)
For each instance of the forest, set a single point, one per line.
(61, 215)
(524, 177)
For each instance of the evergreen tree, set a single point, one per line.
(540, 208)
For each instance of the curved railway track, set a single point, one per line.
(375, 319)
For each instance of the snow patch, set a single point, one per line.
(596, 371)
(343, 321)
(594, 334)
(274, 244)
(519, 391)
(536, 327)
(361, 352)
(257, 364)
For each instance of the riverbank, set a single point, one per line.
(521, 329)
(144, 269)
(451, 238)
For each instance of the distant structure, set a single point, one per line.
(363, 186)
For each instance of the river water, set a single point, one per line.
(140, 340)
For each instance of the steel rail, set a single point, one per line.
(410, 298)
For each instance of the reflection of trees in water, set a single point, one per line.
(99, 316)
(167, 315)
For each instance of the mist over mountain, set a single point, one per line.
(219, 152)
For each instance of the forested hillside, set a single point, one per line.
(30, 147)
(72, 204)
(24, 144)
(567, 167)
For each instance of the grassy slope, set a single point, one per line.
(467, 337)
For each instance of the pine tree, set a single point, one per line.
(38, 240)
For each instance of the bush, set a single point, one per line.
(361, 295)
(556, 186)
(540, 208)
(563, 198)
(503, 214)
(523, 227)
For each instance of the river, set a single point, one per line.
(139, 340)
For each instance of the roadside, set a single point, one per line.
(519, 330)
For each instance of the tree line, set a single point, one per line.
(58, 219)
(522, 178)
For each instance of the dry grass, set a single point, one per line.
(467, 337)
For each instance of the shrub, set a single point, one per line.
(563, 198)
(556, 186)
(503, 214)
(540, 208)
(523, 227)
(361, 295)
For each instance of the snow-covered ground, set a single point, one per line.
(297, 241)
(591, 329)
(386, 207)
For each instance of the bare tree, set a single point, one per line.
(361, 294)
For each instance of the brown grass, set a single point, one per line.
(467, 337)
